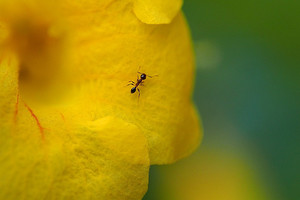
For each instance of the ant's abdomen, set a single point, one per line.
(133, 90)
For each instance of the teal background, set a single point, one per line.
(248, 78)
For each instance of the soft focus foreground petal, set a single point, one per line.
(102, 159)
(157, 11)
(109, 47)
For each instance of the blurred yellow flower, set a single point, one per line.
(215, 174)
(70, 129)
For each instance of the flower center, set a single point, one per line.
(38, 43)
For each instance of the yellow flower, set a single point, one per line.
(70, 128)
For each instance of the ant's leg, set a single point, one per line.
(139, 92)
(131, 83)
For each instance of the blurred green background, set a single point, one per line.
(247, 91)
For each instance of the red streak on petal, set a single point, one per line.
(37, 121)
(17, 107)
(63, 117)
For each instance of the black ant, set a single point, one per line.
(139, 81)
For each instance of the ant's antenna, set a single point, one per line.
(147, 74)
(139, 70)
(152, 76)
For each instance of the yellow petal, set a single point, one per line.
(108, 53)
(157, 11)
(3, 33)
(62, 145)
(45, 155)
(8, 90)
(102, 159)
(107, 49)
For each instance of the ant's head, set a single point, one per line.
(133, 90)
(143, 76)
